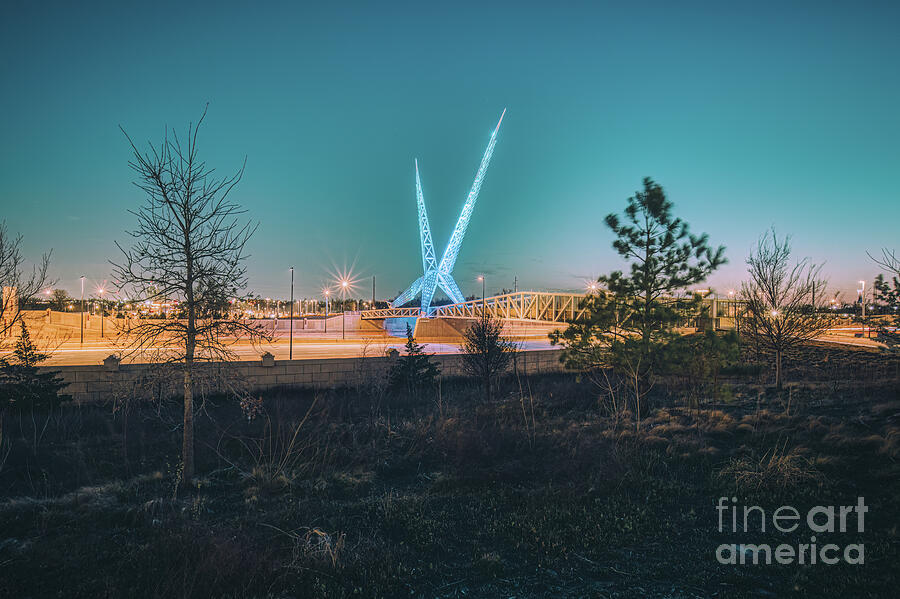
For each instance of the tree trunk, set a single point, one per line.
(637, 403)
(187, 443)
(778, 382)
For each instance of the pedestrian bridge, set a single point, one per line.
(544, 308)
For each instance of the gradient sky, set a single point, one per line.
(750, 115)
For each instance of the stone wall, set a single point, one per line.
(122, 381)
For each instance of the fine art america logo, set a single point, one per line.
(819, 520)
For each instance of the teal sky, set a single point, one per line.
(749, 114)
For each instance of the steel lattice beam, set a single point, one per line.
(448, 261)
(429, 261)
(540, 307)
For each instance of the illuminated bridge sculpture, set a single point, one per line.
(439, 274)
(551, 308)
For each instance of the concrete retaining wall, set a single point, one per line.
(142, 381)
(443, 330)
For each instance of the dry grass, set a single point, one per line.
(775, 470)
(312, 545)
(402, 498)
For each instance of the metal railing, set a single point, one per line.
(536, 306)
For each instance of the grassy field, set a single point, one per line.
(539, 493)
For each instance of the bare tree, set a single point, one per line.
(60, 299)
(189, 247)
(19, 283)
(783, 299)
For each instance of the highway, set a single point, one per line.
(312, 345)
(73, 353)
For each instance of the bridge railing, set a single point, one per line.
(390, 313)
(539, 306)
(522, 305)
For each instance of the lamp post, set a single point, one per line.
(82, 309)
(291, 341)
(344, 284)
(862, 302)
(483, 306)
(814, 298)
(100, 291)
(327, 293)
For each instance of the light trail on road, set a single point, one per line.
(73, 354)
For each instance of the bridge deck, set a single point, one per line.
(535, 306)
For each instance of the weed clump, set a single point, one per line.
(776, 470)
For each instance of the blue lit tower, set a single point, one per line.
(439, 274)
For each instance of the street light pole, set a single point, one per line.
(101, 312)
(82, 309)
(344, 284)
(862, 301)
(291, 342)
(814, 298)
(327, 292)
(483, 307)
(862, 298)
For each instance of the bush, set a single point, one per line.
(700, 360)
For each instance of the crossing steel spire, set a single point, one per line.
(439, 275)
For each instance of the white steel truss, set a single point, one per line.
(543, 307)
(439, 275)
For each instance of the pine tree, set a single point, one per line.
(664, 258)
(416, 369)
(629, 323)
(23, 385)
